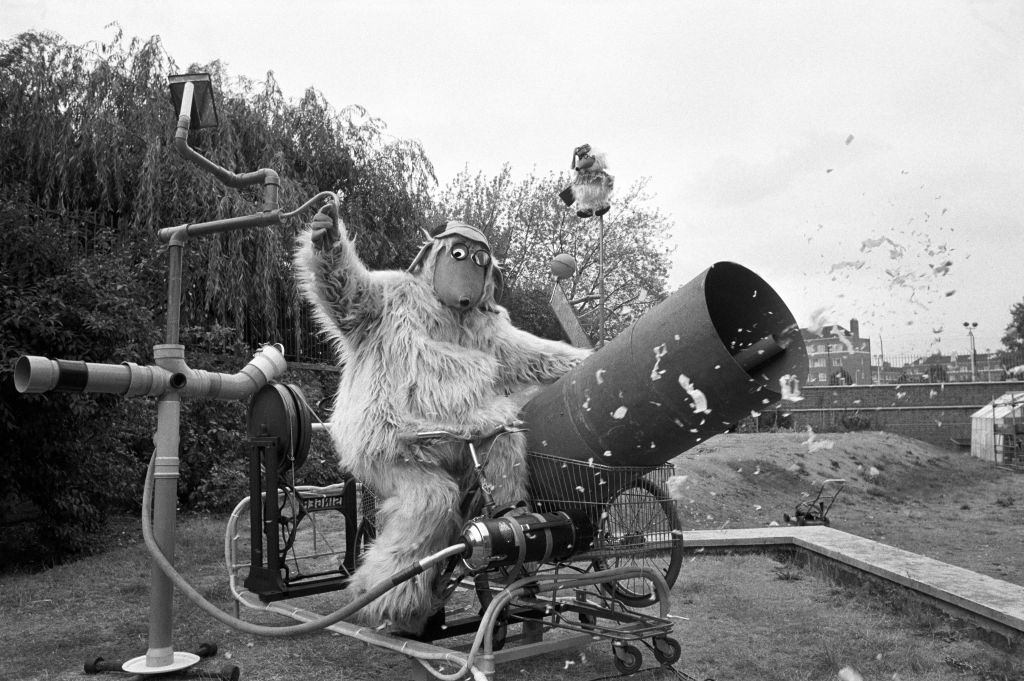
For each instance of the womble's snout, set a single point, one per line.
(460, 274)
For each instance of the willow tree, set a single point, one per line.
(528, 225)
(88, 173)
(89, 129)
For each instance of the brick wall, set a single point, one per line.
(939, 413)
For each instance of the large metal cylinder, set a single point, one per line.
(690, 368)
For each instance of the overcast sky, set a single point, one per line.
(864, 158)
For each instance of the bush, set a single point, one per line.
(856, 421)
(69, 457)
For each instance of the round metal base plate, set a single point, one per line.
(137, 665)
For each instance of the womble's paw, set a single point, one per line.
(326, 227)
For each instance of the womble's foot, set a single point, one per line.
(430, 629)
(585, 213)
(602, 211)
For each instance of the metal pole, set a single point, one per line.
(160, 652)
(600, 280)
(881, 357)
(974, 371)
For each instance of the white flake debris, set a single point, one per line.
(620, 413)
(700, 401)
(675, 486)
(599, 375)
(849, 674)
(659, 352)
(814, 445)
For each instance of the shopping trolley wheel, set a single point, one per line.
(635, 514)
(666, 650)
(627, 658)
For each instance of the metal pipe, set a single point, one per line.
(33, 374)
(266, 364)
(175, 255)
(600, 283)
(160, 652)
(187, 231)
(270, 179)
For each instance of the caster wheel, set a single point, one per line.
(206, 650)
(230, 672)
(627, 658)
(666, 650)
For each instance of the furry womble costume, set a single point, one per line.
(592, 184)
(422, 350)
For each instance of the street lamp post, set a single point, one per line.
(970, 333)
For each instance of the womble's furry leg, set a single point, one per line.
(418, 517)
(505, 468)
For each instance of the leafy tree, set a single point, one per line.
(73, 456)
(89, 128)
(87, 174)
(528, 225)
(1013, 339)
(937, 373)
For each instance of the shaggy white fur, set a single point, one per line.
(592, 187)
(412, 364)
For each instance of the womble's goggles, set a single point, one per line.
(482, 257)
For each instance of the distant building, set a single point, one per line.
(837, 356)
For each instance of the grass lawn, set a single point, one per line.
(736, 616)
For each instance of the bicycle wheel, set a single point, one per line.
(640, 527)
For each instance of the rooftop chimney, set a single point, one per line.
(854, 328)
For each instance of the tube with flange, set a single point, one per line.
(33, 374)
(689, 369)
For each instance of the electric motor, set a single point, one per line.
(531, 537)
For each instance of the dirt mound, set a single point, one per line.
(905, 492)
(754, 478)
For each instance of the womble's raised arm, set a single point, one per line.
(333, 279)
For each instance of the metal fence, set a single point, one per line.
(911, 368)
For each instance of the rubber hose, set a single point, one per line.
(372, 594)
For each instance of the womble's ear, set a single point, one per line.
(499, 283)
(421, 257)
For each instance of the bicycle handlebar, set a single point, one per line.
(513, 427)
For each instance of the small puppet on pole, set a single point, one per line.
(591, 185)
